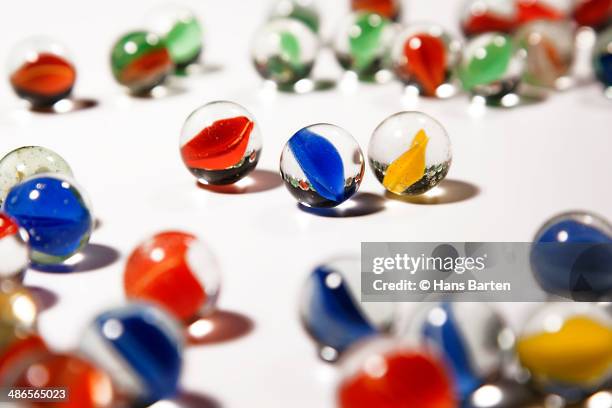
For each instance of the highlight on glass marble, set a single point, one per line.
(220, 143)
(182, 33)
(322, 165)
(18, 313)
(23, 162)
(140, 61)
(140, 347)
(363, 45)
(507, 393)
(571, 256)
(549, 49)
(410, 153)
(483, 16)
(55, 213)
(284, 51)
(602, 60)
(550, 10)
(567, 349)
(176, 271)
(425, 57)
(592, 13)
(491, 67)
(385, 372)
(41, 71)
(332, 313)
(304, 11)
(14, 250)
(471, 339)
(87, 385)
(390, 9)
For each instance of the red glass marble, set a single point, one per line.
(18, 353)
(175, 270)
(593, 13)
(220, 145)
(387, 8)
(44, 80)
(530, 10)
(87, 386)
(397, 378)
(487, 22)
(427, 61)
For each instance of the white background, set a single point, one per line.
(528, 164)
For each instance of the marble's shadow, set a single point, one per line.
(90, 258)
(361, 204)
(447, 192)
(66, 106)
(45, 299)
(221, 326)
(256, 182)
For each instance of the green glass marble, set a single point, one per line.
(140, 61)
(363, 44)
(184, 41)
(301, 10)
(284, 51)
(488, 62)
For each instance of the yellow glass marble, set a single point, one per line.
(18, 312)
(409, 167)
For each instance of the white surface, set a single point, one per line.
(529, 164)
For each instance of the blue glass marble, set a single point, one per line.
(332, 313)
(141, 347)
(54, 212)
(322, 165)
(602, 59)
(572, 256)
(468, 336)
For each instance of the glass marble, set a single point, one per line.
(572, 255)
(176, 271)
(471, 339)
(18, 312)
(220, 143)
(410, 153)
(55, 213)
(28, 161)
(140, 346)
(592, 13)
(22, 348)
(549, 48)
(140, 61)
(88, 386)
(602, 60)
(363, 44)
(14, 251)
(301, 10)
(383, 372)
(567, 348)
(483, 16)
(181, 31)
(552, 10)
(40, 71)
(388, 8)
(322, 165)
(331, 310)
(284, 51)
(425, 57)
(492, 66)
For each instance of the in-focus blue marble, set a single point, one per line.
(320, 162)
(54, 213)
